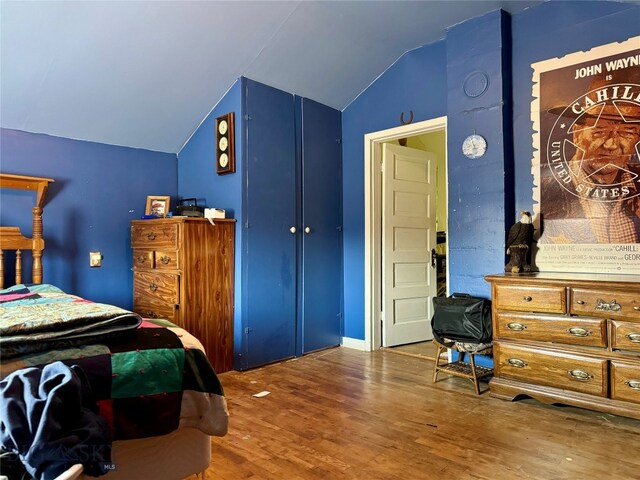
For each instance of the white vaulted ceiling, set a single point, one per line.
(145, 74)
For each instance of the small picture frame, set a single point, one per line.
(157, 205)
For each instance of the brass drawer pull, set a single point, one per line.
(151, 236)
(165, 259)
(633, 337)
(636, 308)
(579, 332)
(611, 306)
(516, 362)
(142, 258)
(581, 375)
(153, 287)
(580, 302)
(633, 384)
(527, 298)
(516, 327)
(150, 314)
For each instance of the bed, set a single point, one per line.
(152, 384)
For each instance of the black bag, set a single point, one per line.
(461, 318)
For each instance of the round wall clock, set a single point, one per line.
(474, 146)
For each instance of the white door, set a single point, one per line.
(408, 236)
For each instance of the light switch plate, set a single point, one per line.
(95, 259)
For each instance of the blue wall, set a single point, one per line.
(419, 82)
(98, 190)
(416, 82)
(480, 190)
(197, 177)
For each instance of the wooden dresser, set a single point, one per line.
(568, 338)
(183, 271)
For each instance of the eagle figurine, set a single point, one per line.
(519, 243)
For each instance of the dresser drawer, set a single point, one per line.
(155, 288)
(625, 336)
(625, 381)
(167, 312)
(154, 236)
(552, 328)
(166, 260)
(530, 298)
(143, 259)
(553, 369)
(605, 303)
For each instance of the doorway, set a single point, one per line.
(422, 136)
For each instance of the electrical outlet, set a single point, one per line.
(95, 259)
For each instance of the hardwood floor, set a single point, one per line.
(345, 414)
(420, 349)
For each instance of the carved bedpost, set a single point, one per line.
(38, 246)
(18, 266)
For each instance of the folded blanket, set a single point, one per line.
(41, 317)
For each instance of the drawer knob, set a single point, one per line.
(637, 308)
(151, 236)
(580, 302)
(150, 314)
(153, 287)
(581, 375)
(515, 326)
(579, 332)
(516, 362)
(165, 259)
(633, 384)
(142, 258)
(611, 306)
(633, 337)
(527, 298)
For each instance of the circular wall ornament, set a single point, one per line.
(475, 84)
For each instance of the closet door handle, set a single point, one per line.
(307, 230)
(293, 229)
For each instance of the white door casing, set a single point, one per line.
(372, 223)
(408, 236)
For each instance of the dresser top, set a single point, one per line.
(557, 277)
(179, 219)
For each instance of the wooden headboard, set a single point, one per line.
(12, 239)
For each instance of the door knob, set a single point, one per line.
(293, 230)
(307, 230)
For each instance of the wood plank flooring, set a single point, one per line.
(345, 414)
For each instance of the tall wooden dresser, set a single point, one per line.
(183, 271)
(568, 338)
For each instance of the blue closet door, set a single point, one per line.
(269, 248)
(321, 267)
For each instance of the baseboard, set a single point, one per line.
(354, 343)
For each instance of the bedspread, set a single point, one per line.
(147, 381)
(38, 317)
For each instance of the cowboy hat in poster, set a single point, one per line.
(586, 167)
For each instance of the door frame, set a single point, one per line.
(373, 220)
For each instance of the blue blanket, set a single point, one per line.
(48, 417)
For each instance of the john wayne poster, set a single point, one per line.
(586, 168)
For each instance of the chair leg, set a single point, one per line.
(473, 371)
(436, 368)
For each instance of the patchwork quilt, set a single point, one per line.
(38, 317)
(147, 380)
